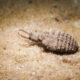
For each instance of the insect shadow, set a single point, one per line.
(59, 53)
(54, 52)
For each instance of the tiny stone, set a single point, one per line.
(57, 19)
(30, 1)
(4, 48)
(55, 6)
(33, 73)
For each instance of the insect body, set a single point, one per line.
(54, 41)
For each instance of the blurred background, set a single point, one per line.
(22, 11)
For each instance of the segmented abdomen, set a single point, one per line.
(65, 43)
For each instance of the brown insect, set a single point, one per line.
(54, 41)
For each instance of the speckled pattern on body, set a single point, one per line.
(54, 41)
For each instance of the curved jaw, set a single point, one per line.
(22, 33)
(30, 36)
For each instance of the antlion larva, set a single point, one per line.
(54, 41)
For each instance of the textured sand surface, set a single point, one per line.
(21, 59)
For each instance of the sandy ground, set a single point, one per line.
(21, 59)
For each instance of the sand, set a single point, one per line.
(22, 59)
